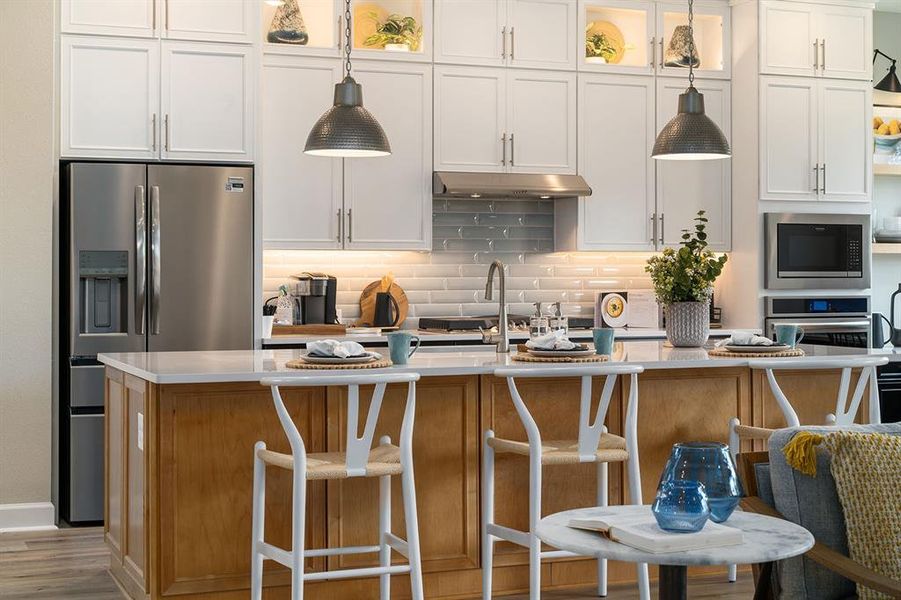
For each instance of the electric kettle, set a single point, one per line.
(894, 324)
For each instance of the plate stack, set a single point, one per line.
(890, 232)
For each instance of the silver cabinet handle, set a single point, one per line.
(155, 260)
(350, 225)
(823, 168)
(140, 259)
(504, 42)
(662, 227)
(340, 34)
(167, 14)
(166, 127)
(661, 51)
(823, 60)
(816, 54)
(153, 16)
(816, 178)
(512, 149)
(504, 149)
(654, 228)
(153, 132)
(512, 41)
(653, 50)
(340, 227)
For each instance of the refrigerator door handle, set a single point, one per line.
(155, 260)
(140, 259)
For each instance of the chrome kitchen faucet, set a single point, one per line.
(502, 339)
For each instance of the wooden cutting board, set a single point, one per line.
(367, 303)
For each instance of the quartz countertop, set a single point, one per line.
(253, 365)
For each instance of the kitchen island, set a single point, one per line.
(180, 430)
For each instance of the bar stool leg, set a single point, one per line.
(631, 435)
(409, 494)
(298, 523)
(487, 515)
(384, 529)
(602, 501)
(534, 518)
(259, 515)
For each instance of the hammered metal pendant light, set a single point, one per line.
(347, 129)
(691, 134)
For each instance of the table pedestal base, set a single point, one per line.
(673, 582)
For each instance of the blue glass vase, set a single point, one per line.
(681, 506)
(711, 464)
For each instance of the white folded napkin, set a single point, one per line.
(745, 338)
(335, 348)
(554, 340)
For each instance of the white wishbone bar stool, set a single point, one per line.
(359, 460)
(594, 445)
(845, 407)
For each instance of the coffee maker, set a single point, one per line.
(314, 297)
(894, 324)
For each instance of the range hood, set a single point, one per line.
(512, 185)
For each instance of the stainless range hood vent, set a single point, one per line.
(512, 185)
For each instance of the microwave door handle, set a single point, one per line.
(140, 259)
(155, 260)
(863, 324)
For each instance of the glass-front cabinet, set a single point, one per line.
(636, 36)
(306, 27)
(392, 29)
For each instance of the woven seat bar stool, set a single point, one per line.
(359, 460)
(846, 406)
(594, 445)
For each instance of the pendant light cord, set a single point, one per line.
(691, 44)
(347, 37)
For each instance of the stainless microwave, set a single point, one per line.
(815, 251)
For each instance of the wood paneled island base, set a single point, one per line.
(179, 471)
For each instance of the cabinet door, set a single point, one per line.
(788, 42)
(712, 37)
(541, 120)
(109, 89)
(134, 18)
(389, 200)
(541, 33)
(635, 22)
(846, 42)
(788, 138)
(211, 20)
(686, 186)
(301, 195)
(208, 117)
(470, 105)
(615, 160)
(484, 24)
(845, 140)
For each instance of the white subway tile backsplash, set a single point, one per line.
(453, 296)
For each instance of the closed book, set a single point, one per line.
(643, 533)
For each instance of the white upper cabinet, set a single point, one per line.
(301, 195)
(470, 119)
(622, 36)
(324, 23)
(615, 160)
(209, 20)
(210, 116)
(135, 18)
(109, 91)
(412, 17)
(541, 121)
(388, 200)
(788, 138)
(484, 41)
(845, 140)
(685, 187)
(815, 40)
(541, 33)
(712, 39)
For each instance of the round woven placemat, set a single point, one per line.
(522, 357)
(722, 352)
(299, 363)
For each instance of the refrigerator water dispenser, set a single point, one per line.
(103, 282)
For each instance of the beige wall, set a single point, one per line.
(26, 242)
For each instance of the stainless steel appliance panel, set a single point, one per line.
(86, 386)
(851, 332)
(106, 257)
(200, 293)
(86, 468)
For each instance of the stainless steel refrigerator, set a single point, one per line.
(155, 258)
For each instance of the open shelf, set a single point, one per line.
(883, 169)
(321, 24)
(627, 31)
(884, 248)
(709, 40)
(368, 15)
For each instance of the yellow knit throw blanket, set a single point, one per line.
(867, 472)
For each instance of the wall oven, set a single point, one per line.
(817, 251)
(826, 321)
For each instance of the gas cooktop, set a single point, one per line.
(489, 321)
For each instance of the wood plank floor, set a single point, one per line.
(72, 563)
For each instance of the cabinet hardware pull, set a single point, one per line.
(654, 228)
(653, 49)
(340, 37)
(662, 227)
(166, 127)
(340, 223)
(153, 16)
(155, 250)
(816, 54)
(512, 149)
(140, 259)
(661, 51)
(504, 149)
(153, 133)
(504, 42)
(823, 167)
(823, 60)
(167, 14)
(816, 178)
(512, 41)
(350, 225)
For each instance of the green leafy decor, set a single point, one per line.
(395, 29)
(686, 274)
(597, 44)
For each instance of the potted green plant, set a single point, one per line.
(683, 283)
(598, 47)
(395, 34)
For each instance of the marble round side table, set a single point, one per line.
(766, 539)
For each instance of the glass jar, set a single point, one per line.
(538, 326)
(711, 464)
(558, 322)
(681, 506)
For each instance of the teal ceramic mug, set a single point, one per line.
(603, 340)
(790, 335)
(401, 347)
